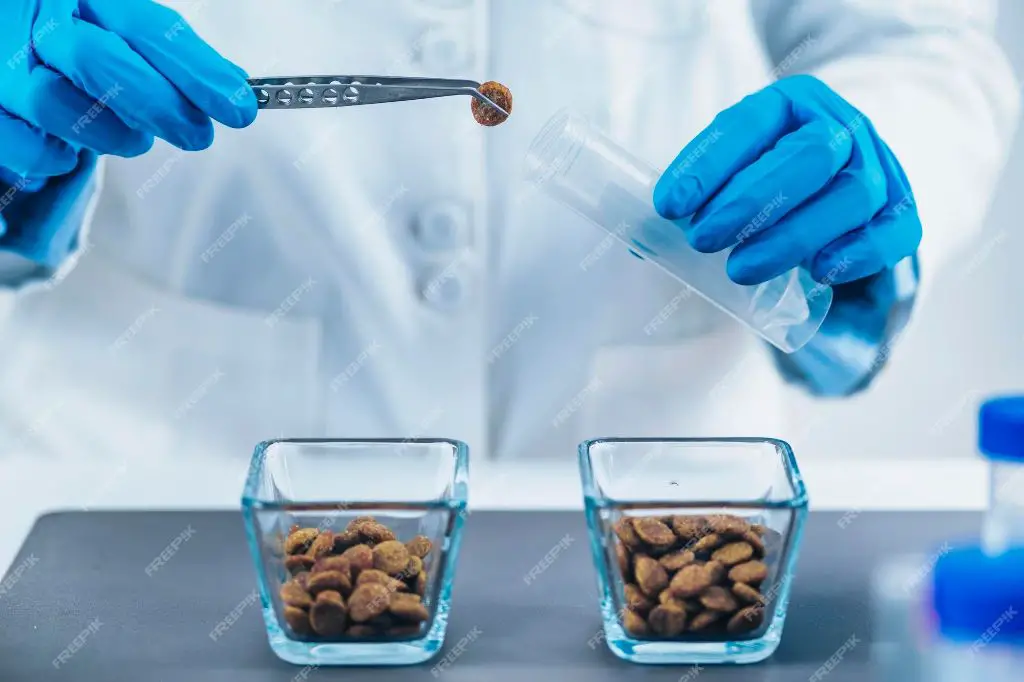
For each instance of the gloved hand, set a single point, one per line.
(793, 175)
(107, 75)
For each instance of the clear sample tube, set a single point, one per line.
(580, 167)
(900, 627)
(1001, 441)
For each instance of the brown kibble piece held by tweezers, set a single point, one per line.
(485, 114)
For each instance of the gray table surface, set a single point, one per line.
(83, 575)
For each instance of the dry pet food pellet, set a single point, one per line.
(667, 620)
(408, 607)
(689, 528)
(733, 553)
(716, 571)
(373, 575)
(746, 619)
(329, 580)
(622, 558)
(293, 594)
(484, 113)
(675, 561)
(368, 601)
(299, 541)
(650, 576)
(327, 615)
(751, 572)
(717, 598)
(754, 540)
(748, 594)
(345, 539)
(690, 581)
(421, 584)
(419, 546)
(636, 600)
(322, 545)
(634, 624)
(360, 557)
(298, 620)
(412, 569)
(704, 620)
(654, 532)
(628, 536)
(730, 526)
(707, 543)
(298, 562)
(390, 556)
(666, 598)
(375, 533)
(333, 563)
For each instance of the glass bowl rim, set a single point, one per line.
(798, 500)
(460, 473)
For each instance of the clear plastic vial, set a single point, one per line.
(900, 618)
(580, 167)
(1001, 440)
(977, 600)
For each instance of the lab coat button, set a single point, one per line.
(442, 226)
(444, 289)
(441, 50)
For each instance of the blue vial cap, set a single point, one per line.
(1001, 428)
(979, 599)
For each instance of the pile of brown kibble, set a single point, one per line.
(362, 582)
(692, 576)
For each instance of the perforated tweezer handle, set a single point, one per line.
(313, 92)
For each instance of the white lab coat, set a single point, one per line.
(381, 271)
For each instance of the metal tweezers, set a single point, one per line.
(317, 92)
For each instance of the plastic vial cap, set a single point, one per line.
(979, 598)
(1001, 428)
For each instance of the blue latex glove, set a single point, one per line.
(109, 76)
(793, 175)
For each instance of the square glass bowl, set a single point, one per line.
(695, 542)
(355, 544)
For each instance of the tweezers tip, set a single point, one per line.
(491, 103)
